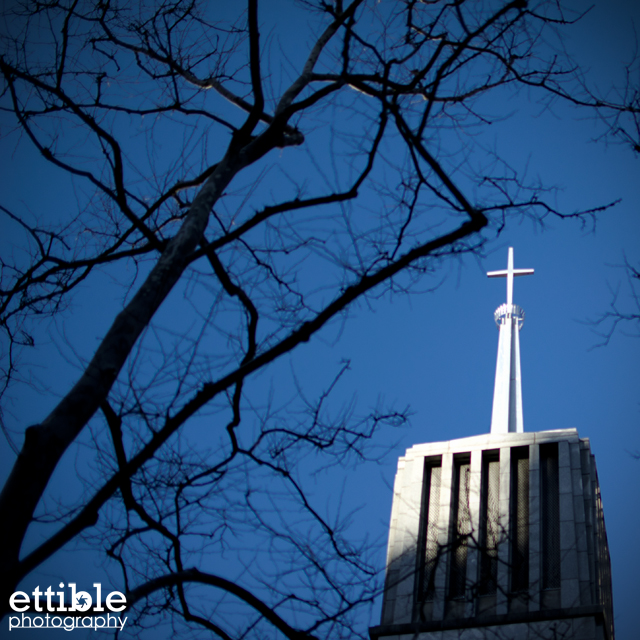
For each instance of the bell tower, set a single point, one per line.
(499, 535)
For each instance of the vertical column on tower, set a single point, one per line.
(535, 532)
(504, 548)
(403, 542)
(474, 552)
(569, 573)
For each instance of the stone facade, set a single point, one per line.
(533, 564)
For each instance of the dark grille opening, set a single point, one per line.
(550, 506)
(430, 547)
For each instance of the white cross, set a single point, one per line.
(510, 273)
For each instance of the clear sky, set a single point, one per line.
(435, 351)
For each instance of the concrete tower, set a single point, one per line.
(499, 536)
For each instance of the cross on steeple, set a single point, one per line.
(506, 416)
(510, 273)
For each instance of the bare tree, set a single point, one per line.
(290, 185)
(624, 311)
(622, 120)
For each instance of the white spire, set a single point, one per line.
(507, 395)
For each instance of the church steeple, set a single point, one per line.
(498, 535)
(506, 416)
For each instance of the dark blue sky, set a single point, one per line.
(436, 350)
